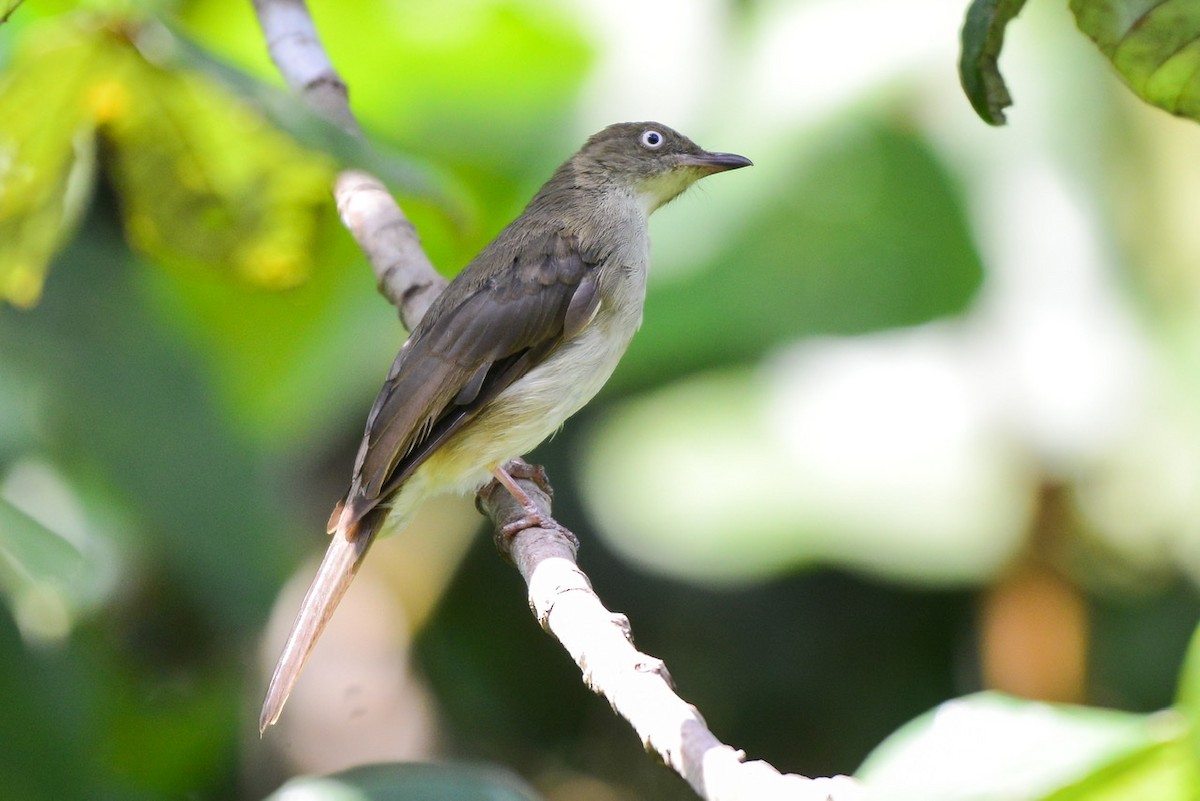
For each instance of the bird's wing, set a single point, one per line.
(463, 355)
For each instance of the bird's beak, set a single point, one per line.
(715, 162)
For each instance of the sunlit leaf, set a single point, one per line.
(7, 8)
(990, 747)
(46, 155)
(407, 782)
(285, 111)
(1164, 771)
(1153, 44)
(206, 181)
(488, 90)
(1188, 698)
(982, 39)
(484, 94)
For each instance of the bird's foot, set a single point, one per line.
(536, 520)
(534, 517)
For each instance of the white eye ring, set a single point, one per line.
(652, 139)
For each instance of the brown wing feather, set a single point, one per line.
(482, 334)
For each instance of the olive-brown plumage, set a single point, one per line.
(524, 336)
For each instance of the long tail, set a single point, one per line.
(344, 555)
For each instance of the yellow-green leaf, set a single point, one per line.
(1187, 698)
(990, 747)
(1153, 44)
(204, 180)
(46, 154)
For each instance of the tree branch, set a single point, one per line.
(560, 594)
(403, 272)
(637, 685)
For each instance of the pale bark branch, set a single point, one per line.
(560, 594)
(636, 684)
(402, 270)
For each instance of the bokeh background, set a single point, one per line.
(913, 412)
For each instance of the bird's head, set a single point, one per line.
(650, 160)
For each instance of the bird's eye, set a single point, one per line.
(652, 139)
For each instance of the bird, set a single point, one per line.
(525, 335)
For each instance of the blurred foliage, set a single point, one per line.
(816, 249)
(202, 179)
(408, 782)
(189, 341)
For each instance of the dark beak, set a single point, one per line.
(715, 162)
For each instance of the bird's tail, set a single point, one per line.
(347, 547)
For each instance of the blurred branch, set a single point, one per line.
(404, 273)
(560, 594)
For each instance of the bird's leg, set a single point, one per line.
(507, 475)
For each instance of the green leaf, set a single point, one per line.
(125, 397)
(204, 178)
(206, 181)
(288, 113)
(989, 747)
(7, 8)
(487, 95)
(1187, 699)
(43, 576)
(46, 155)
(1163, 771)
(982, 39)
(1153, 44)
(407, 782)
(31, 554)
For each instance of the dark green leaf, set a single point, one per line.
(982, 39)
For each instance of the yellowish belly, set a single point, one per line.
(521, 417)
